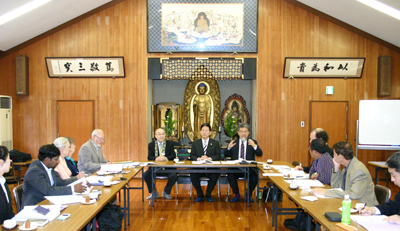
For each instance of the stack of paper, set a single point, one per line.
(306, 182)
(230, 162)
(69, 199)
(272, 174)
(309, 198)
(98, 180)
(110, 168)
(375, 222)
(206, 162)
(128, 164)
(144, 164)
(29, 213)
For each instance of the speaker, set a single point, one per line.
(22, 75)
(384, 75)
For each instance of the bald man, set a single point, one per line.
(160, 150)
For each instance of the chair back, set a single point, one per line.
(18, 196)
(382, 194)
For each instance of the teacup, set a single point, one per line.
(93, 195)
(293, 186)
(9, 224)
(107, 183)
(269, 161)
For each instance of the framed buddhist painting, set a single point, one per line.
(202, 26)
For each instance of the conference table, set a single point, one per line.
(315, 209)
(380, 165)
(188, 167)
(85, 215)
(18, 166)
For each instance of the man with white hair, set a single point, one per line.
(90, 155)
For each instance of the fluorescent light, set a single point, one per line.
(21, 10)
(382, 8)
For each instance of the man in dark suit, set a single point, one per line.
(41, 179)
(243, 149)
(392, 208)
(205, 149)
(160, 150)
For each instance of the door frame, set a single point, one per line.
(93, 119)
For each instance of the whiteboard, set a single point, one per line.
(379, 122)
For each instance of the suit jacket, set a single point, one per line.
(392, 207)
(250, 152)
(359, 183)
(37, 184)
(6, 211)
(72, 167)
(169, 150)
(88, 159)
(213, 150)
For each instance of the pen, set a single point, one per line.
(363, 207)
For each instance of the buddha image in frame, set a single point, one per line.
(236, 110)
(201, 108)
(202, 24)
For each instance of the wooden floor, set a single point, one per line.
(182, 213)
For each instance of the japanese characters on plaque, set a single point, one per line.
(335, 67)
(85, 67)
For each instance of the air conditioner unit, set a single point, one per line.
(6, 124)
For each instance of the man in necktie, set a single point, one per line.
(391, 208)
(91, 155)
(205, 149)
(243, 149)
(41, 180)
(160, 150)
(354, 179)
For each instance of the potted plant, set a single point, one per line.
(169, 126)
(230, 126)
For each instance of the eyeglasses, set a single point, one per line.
(102, 138)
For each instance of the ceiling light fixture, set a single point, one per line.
(21, 10)
(382, 8)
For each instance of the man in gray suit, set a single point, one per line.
(355, 179)
(41, 180)
(90, 155)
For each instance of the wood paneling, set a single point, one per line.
(285, 30)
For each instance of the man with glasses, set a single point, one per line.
(243, 148)
(90, 155)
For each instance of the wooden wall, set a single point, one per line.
(284, 31)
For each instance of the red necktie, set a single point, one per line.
(242, 151)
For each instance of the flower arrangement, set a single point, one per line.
(169, 125)
(231, 125)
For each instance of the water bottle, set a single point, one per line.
(346, 206)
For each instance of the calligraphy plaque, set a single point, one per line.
(298, 67)
(75, 67)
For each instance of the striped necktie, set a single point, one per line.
(205, 148)
(242, 150)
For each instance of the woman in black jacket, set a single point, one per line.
(6, 211)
